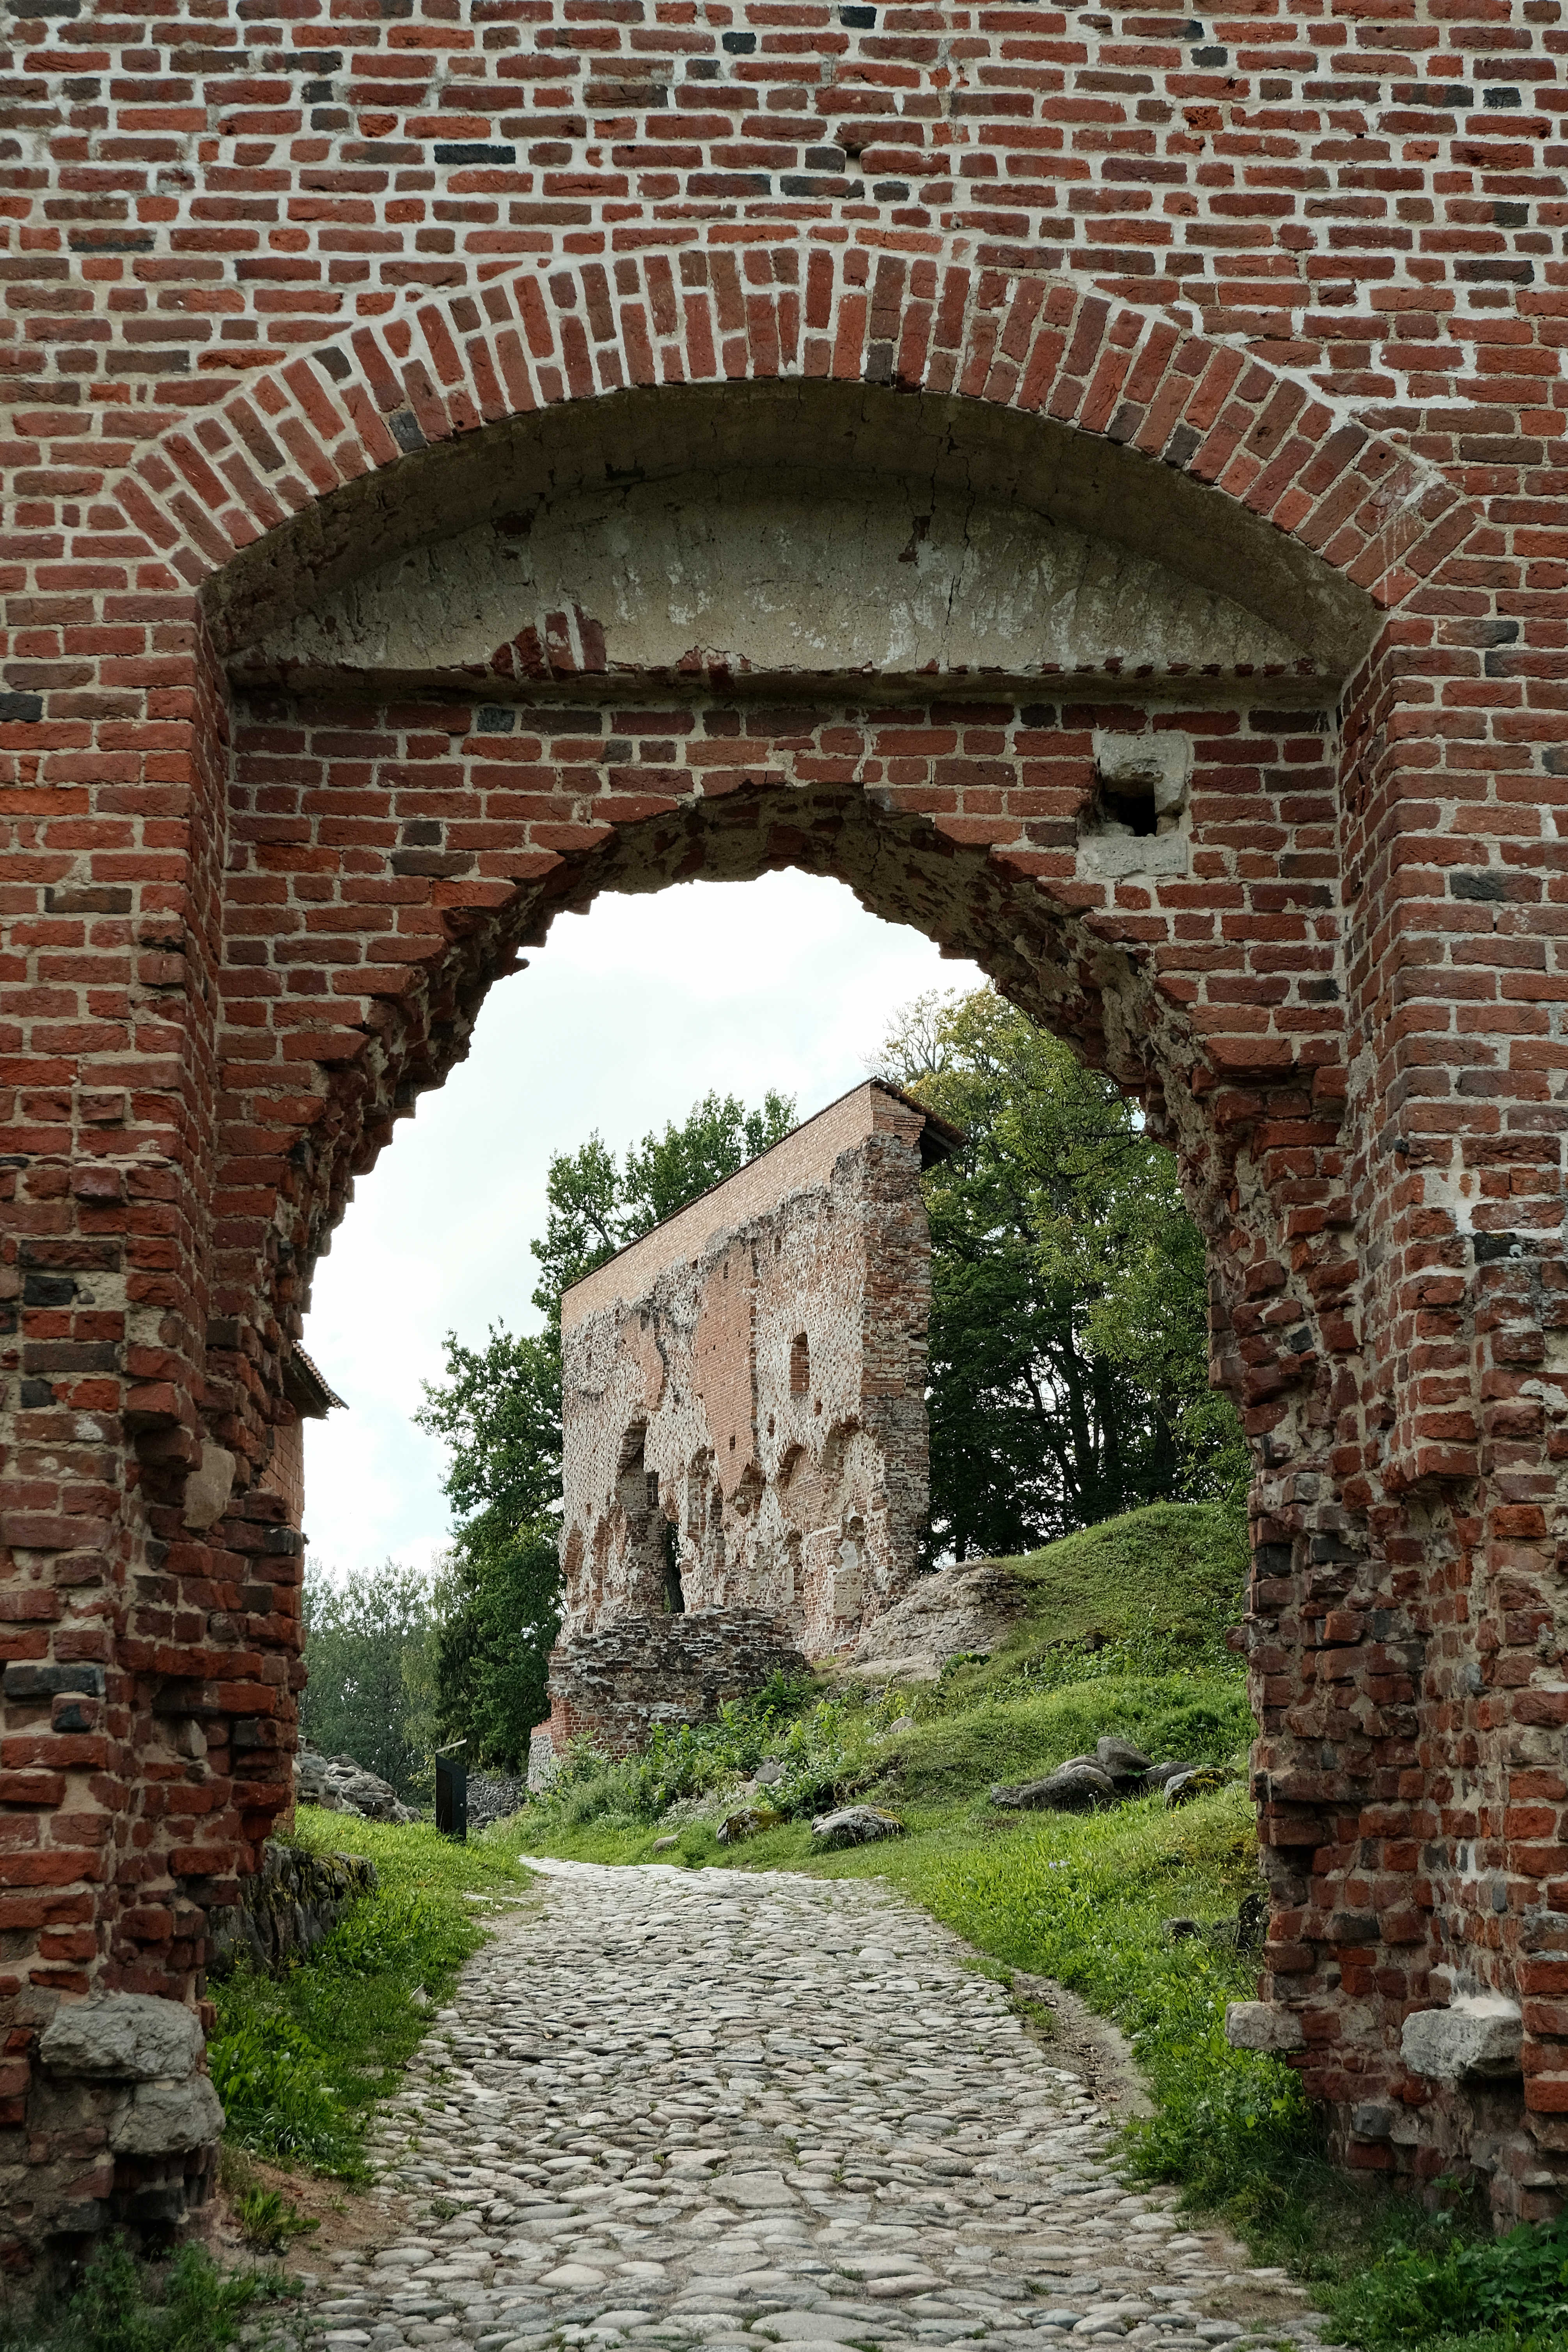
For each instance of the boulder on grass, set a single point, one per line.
(338, 1785)
(1158, 1775)
(1199, 1783)
(746, 1823)
(855, 1825)
(1120, 1758)
(1072, 1788)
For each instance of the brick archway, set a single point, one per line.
(834, 311)
(1369, 1324)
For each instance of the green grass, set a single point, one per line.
(299, 2061)
(1173, 1569)
(113, 2303)
(947, 1758)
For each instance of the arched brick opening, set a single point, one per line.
(1375, 1309)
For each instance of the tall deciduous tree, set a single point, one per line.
(1068, 1351)
(499, 1410)
(360, 1636)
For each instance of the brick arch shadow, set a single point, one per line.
(1250, 1089)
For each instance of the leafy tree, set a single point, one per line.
(1069, 1351)
(597, 1208)
(490, 1651)
(499, 1410)
(361, 1635)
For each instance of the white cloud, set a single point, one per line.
(623, 1020)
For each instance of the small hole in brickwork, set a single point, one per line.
(1129, 804)
(799, 1365)
(674, 1596)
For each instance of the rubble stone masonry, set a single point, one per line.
(413, 407)
(743, 1406)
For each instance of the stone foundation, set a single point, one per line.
(290, 1905)
(613, 1687)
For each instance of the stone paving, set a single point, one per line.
(719, 2109)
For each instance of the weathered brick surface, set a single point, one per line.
(744, 1412)
(285, 292)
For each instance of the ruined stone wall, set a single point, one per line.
(613, 1686)
(1266, 310)
(751, 1379)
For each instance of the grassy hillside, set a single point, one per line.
(1174, 1565)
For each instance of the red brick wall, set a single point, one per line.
(268, 277)
(750, 1380)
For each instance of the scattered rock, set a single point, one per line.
(1242, 1934)
(747, 1822)
(1117, 1770)
(1246, 1932)
(855, 1825)
(1071, 1788)
(768, 1775)
(1199, 1783)
(961, 1612)
(340, 1786)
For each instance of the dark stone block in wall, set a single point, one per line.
(291, 1905)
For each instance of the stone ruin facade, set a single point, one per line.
(470, 457)
(746, 1463)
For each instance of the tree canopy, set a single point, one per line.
(1069, 1335)
(499, 1410)
(363, 1638)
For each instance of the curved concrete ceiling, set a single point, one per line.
(778, 531)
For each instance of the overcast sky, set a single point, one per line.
(620, 1023)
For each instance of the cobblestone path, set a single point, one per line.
(688, 2108)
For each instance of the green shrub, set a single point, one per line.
(266, 2219)
(279, 2098)
(819, 1746)
(1516, 2285)
(119, 2304)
